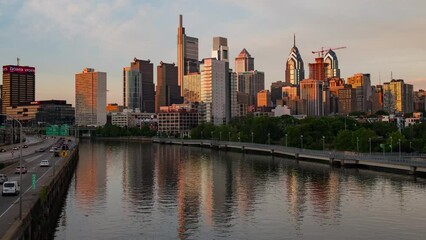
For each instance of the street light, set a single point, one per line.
(301, 141)
(252, 137)
(323, 143)
(399, 143)
(269, 138)
(202, 134)
(357, 144)
(286, 143)
(20, 162)
(391, 150)
(369, 143)
(211, 134)
(410, 147)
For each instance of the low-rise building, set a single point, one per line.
(51, 112)
(177, 120)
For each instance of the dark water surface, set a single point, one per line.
(124, 190)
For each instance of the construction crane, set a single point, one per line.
(322, 51)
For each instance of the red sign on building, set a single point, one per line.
(18, 69)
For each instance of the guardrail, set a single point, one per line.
(412, 160)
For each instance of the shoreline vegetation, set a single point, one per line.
(343, 133)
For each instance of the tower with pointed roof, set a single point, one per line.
(294, 71)
(332, 70)
(244, 62)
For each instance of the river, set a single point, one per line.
(129, 190)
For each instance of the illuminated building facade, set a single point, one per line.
(398, 97)
(244, 62)
(18, 86)
(192, 88)
(90, 97)
(294, 71)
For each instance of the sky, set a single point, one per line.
(60, 38)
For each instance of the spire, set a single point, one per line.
(294, 39)
(180, 20)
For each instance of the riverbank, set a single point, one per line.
(408, 164)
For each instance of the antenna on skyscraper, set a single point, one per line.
(294, 39)
(17, 60)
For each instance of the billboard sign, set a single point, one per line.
(18, 69)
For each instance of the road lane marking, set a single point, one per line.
(22, 195)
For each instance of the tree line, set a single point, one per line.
(339, 133)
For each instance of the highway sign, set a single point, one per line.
(34, 180)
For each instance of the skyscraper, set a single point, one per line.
(332, 69)
(263, 98)
(187, 52)
(362, 85)
(138, 84)
(18, 86)
(90, 97)
(192, 88)
(317, 70)
(277, 91)
(168, 91)
(398, 96)
(244, 62)
(220, 49)
(311, 95)
(132, 88)
(220, 52)
(251, 83)
(213, 93)
(294, 71)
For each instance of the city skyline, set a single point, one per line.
(61, 40)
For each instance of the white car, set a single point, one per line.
(44, 163)
(11, 188)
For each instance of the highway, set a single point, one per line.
(31, 159)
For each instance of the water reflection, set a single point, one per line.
(138, 190)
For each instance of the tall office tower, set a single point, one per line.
(220, 49)
(132, 89)
(168, 90)
(220, 52)
(213, 93)
(317, 70)
(234, 100)
(311, 95)
(419, 100)
(398, 96)
(264, 98)
(192, 88)
(187, 52)
(90, 97)
(244, 62)
(294, 70)
(18, 86)
(362, 85)
(332, 69)
(139, 89)
(376, 98)
(251, 83)
(277, 91)
(346, 100)
(334, 84)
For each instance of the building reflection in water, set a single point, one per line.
(90, 180)
(203, 191)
